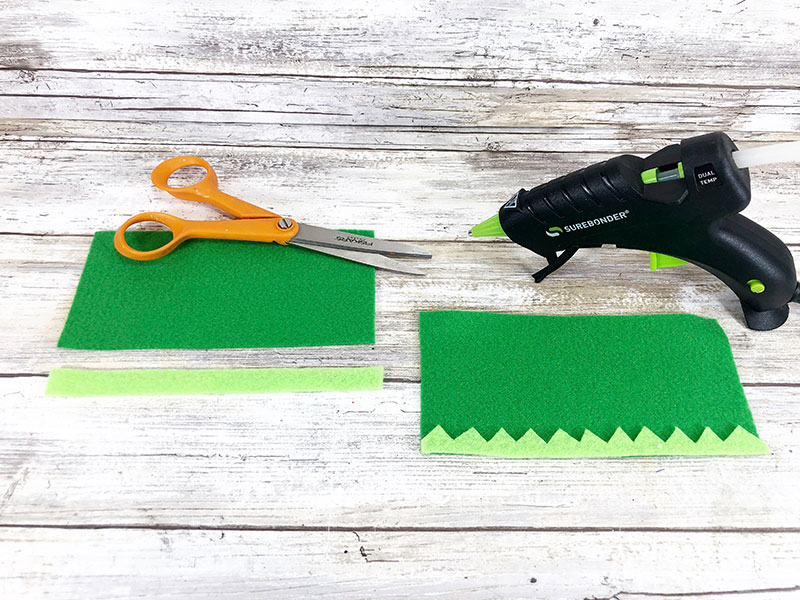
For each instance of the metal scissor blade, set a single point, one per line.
(330, 238)
(365, 258)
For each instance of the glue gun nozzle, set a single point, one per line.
(489, 227)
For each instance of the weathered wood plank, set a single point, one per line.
(158, 564)
(81, 187)
(353, 461)
(39, 276)
(628, 41)
(630, 111)
(549, 137)
(85, 564)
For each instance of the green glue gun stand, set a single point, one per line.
(681, 203)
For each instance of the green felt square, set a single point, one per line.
(577, 374)
(218, 294)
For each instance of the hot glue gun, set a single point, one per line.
(682, 204)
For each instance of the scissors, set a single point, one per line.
(255, 224)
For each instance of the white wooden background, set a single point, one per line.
(416, 119)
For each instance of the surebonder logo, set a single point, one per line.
(554, 231)
(619, 216)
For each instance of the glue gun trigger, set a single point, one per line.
(554, 262)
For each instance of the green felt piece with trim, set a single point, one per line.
(218, 294)
(559, 386)
(157, 382)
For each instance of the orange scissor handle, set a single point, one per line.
(252, 230)
(174, 224)
(206, 190)
(253, 224)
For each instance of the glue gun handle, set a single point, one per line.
(753, 262)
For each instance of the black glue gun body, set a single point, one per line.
(683, 202)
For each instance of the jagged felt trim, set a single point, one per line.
(562, 445)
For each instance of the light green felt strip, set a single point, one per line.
(218, 294)
(562, 445)
(152, 382)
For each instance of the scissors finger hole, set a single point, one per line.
(187, 176)
(148, 235)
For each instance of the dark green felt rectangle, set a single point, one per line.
(218, 294)
(597, 373)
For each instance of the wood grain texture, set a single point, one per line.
(353, 461)
(416, 120)
(632, 113)
(225, 563)
(750, 43)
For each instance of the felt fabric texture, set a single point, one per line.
(158, 382)
(218, 294)
(599, 374)
(562, 445)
